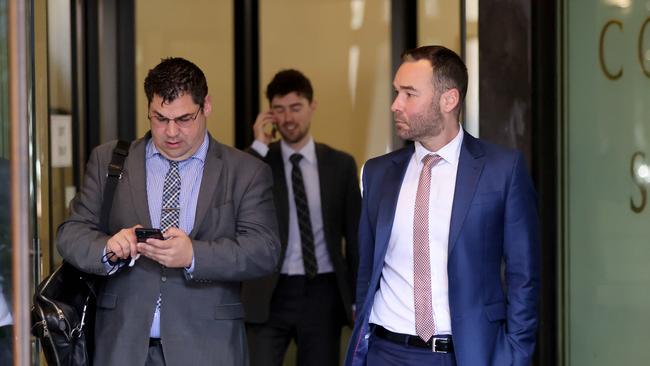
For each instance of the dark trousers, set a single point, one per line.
(155, 357)
(309, 311)
(6, 346)
(382, 352)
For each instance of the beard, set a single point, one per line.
(425, 124)
(295, 135)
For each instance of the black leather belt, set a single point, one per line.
(441, 344)
(154, 342)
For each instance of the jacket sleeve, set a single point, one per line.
(80, 240)
(521, 252)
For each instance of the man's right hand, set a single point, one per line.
(123, 244)
(260, 127)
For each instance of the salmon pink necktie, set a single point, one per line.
(424, 325)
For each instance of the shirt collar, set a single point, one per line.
(308, 151)
(449, 153)
(199, 154)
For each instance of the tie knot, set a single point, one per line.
(430, 160)
(295, 158)
(173, 164)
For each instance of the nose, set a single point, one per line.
(397, 105)
(288, 115)
(171, 129)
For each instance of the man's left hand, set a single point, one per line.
(174, 252)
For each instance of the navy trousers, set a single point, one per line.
(382, 352)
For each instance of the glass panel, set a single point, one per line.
(439, 23)
(606, 148)
(201, 33)
(344, 48)
(5, 240)
(61, 173)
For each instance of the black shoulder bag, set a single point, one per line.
(63, 313)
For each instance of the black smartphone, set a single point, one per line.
(145, 233)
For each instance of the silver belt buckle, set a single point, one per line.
(433, 345)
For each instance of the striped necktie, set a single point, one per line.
(304, 219)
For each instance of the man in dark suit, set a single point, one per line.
(317, 198)
(6, 319)
(439, 219)
(179, 303)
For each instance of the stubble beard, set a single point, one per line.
(421, 126)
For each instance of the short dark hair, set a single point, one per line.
(449, 70)
(174, 77)
(287, 81)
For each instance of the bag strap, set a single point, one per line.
(115, 168)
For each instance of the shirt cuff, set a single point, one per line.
(111, 267)
(190, 269)
(260, 147)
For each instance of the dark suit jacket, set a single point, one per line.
(234, 238)
(340, 206)
(493, 219)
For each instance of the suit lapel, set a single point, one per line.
(389, 192)
(136, 172)
(470, 166)
(281, 195)
(209, 182)
(324, 174)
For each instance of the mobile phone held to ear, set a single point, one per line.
(274, 130)
(145, 233)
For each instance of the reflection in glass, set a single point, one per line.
(5, 243)
(5, 266)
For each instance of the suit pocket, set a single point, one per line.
(495, 312)
(107, 301)
(229, 311)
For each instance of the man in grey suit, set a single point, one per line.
(179, 303)
(317, 197)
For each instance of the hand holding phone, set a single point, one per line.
(142, 234)
(265, 128)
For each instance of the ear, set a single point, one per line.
(313, 105)
(449, 100)
(207, 105)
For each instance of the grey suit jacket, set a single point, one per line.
(234, 238)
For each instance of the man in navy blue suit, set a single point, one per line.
(448, 236)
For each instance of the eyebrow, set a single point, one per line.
(289, 106)
(158, 114)
(404, 87)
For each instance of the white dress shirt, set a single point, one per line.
(393, 306)
(292, 263)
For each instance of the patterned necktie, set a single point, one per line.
(424, 324)
(304, 220)
(170, 209)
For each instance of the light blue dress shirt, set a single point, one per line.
(191, 172)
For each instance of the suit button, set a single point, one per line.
(163, 278)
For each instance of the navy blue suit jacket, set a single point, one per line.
(493, 230)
